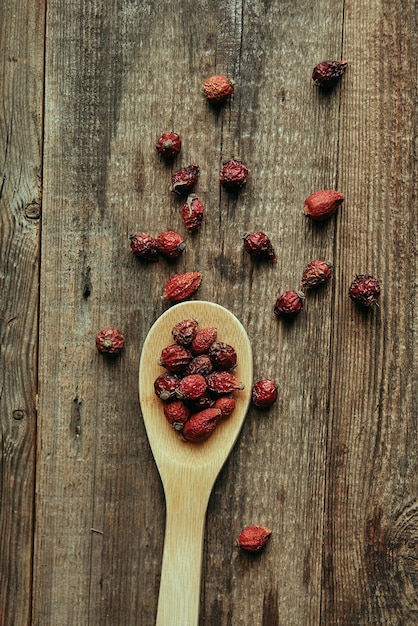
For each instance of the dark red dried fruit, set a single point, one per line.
(320, 205)
(185, 179)
(259, 245)
(365, 290)
(175, 358)
(203, 340)
(165, 386)
(168, 145)
(226, 405)
(191, 387)
(316, 273)
(109, 341)
(218, 88)
(222, 355)
(181, 286)
(204, 402)
(176, 413)
(223, 382)
(170, 244)
(200, 426)
(201, 364)
(192, 212)
(144, 247)
(288, 305)
(185, 331)
(253, 538)
(264, 393)
(234, 174)
(328, 73)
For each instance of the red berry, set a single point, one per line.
(315, 273)
(200, 426)
(264, 393)
(253, 538)
(201, 364)
(144, 247)
(259, 245)
(168, 145)
(288, 305)
(176, 413)
(223, 382)
(234, 174)
(109, 341)
(165, 386)
(185, 179)
(204, 402)
(327, 73)
(181, 286)
(175, 358)
(222, 355)
(192, 213)
(365, 290)
(184, 332)
(170, 244)
(320, 205)
(218, 88)
(226, 405)
(191, 387)
(203, 340)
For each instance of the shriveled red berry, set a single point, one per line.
(192, 212)
(259, 245)
(264, 393)
(226, 405)
(234, 174)
(175, 358)
(181, 286)
(365, 290)
(165, 386)
(218, 88)
(168, 145)
(222, 355)
(204, 402)
(191, 387)
(320, 205)
(185, 179)
(176, 413)
(184, 332)
(200, 364)
(200, 426)
(109, 341)
(328, 73)
(144, 247)
(288, 305)
(253, 538)
(203, 340)
(316, 273)
(222, 382)
(170, 244)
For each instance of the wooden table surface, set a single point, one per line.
(87, 87)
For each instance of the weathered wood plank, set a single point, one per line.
(21, 79)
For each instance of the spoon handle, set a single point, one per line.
(179, 596)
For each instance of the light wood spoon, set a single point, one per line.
(188, 470)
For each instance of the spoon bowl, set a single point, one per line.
(188, 470)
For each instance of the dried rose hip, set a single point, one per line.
(200, 426)
(191, 387)
(192, 212)
(175, 358)
(259, 245)
(223, 382)
(320, 205)
(234, 175)
(181, 286)
(165, 386)
(222, 355)
(264, 393)
(185, 331)
(253, 538)
(204, 402)
(176, 413)
(144, 246)
(316, 273)
(168, 145)
(226, 405)
(109, 341)
(203, 340)
(185, 179)
(288, 305)
(218, 88)
(201, 364)
(328, 73)
(170, 244)
(365, 290)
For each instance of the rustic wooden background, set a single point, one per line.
(332, 469)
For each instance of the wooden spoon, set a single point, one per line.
(188, 470)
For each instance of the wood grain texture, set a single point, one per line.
(331, 468)
(21, 103)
